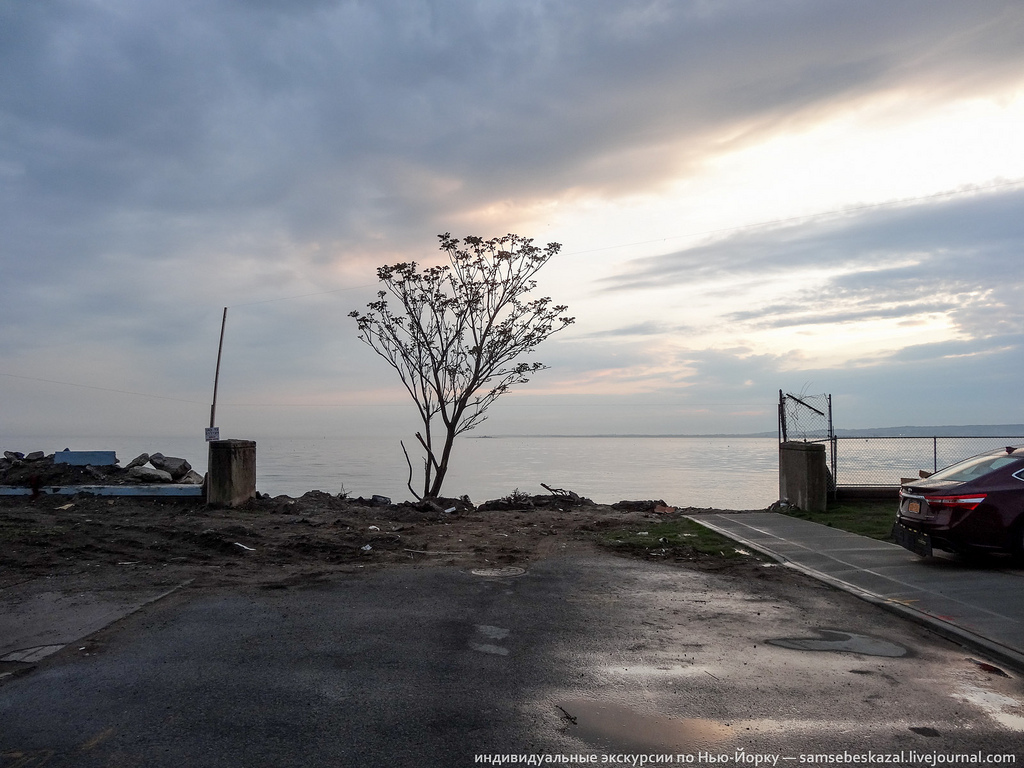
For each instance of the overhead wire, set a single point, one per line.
(102, 389)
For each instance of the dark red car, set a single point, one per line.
(976, 505)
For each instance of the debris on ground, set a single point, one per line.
(280, 535)
(36, 470)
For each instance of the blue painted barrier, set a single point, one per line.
(83, 458)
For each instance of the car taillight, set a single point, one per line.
(967, 502)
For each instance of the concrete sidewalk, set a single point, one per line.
(979, 604)
(40, 617)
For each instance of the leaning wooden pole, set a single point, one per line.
(216, 375)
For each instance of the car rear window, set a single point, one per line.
(971, 469)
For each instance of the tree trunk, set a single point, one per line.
(442, 466)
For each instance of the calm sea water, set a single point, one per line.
(730, 473)
(724, 472)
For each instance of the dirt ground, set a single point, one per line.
(277, 541)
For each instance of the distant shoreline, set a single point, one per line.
(968, 430)
(503, 437)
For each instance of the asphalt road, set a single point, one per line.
(584, 655)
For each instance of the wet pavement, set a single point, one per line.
(41, 617)
(979, 602)
(591, 655)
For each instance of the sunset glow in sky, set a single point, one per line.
(811, 195)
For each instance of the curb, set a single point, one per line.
(1006, 655)
(173, 490)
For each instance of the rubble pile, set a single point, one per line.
(556, 501)
(36, 470)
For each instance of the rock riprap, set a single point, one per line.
(36, 469)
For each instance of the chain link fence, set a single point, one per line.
(875, 461)
(884, 461)
(806, 418)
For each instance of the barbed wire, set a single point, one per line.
(806, 417)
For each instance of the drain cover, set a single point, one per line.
(842, 642)
(508, 570)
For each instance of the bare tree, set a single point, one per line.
(458, 333)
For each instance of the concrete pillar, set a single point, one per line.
(232, 473)
(803, 475)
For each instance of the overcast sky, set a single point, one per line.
(807, 195)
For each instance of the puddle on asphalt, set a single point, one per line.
(617, 728)
(841, 642)
(487, 638)
(995, 705)
(650, 670)
(491, 632)
(506, 571)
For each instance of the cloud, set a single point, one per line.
(160, 160)
(347, 120)
(783, 316)
(184, 130)
(736, 390)
(945, 232)
(958, 258)
(645, 328)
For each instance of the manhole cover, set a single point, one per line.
(508, 570)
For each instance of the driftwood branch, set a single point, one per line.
(561, 492)
(430, 453)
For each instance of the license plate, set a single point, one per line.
(914, 507)
(917, 542)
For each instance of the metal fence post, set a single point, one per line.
(835, 462)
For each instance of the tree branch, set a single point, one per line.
(460, 327)
(409, 481)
